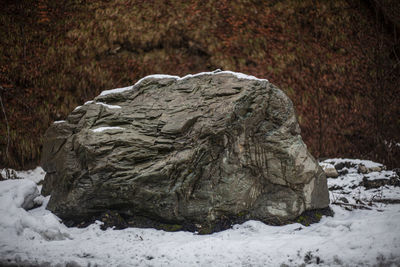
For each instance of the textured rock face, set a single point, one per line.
(199, 150)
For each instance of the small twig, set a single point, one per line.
(335, 197)
(388, 201)
(8, 126)
(352, 205)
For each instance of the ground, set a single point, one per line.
(364, 230)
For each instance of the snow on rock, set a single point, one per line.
(101, 129)
(116, 90)
(156, 76)
(329, 170)
(107, 105)
(359, 234)
(86, 103)
(94, 102)
(239, 75)
(165, 76)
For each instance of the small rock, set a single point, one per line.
(343, 199)
(375, 169)
(330, 171)
(395, 181)
(345, 164)
(339, 166)
(112, 218)
(362, 169)
(38, 201)
(29, 200)
(371, 184)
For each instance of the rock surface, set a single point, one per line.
(199, 150)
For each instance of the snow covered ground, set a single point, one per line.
(365, 230)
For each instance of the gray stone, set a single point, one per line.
(375, 169)
(330, 171)
(362, 169)
(344, 200)
(29, 199)
(196, 150)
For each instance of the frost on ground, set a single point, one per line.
(365, 230)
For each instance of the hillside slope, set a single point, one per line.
(337, 60)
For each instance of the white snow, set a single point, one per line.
(57, 122)
(157, 76)
(348, 185)
(116, 90)
(100, 103)
(366, 163)
(239, 75)
(101, 129)
(353, 178)
(349, 238)
(163, 76)
(18, 224)
(36, 175)
(379, 175)
(326, 165)
(107, 105)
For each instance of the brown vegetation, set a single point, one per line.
(337, 60)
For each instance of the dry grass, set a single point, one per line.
(329, 57)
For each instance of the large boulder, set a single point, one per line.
(198, 150)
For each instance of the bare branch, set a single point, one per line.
(8, 126)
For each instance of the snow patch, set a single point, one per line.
(239, 75)
(36, 175)
(116, 90)
(165, 76)
(15, 221)
(366, 163)
(357, 237)
(348, 185)
(157, 76)
(99, 103)
(101, 129)
(107, 105)
(57, 122)
(325, 165)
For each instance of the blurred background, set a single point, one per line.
(338, 60)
